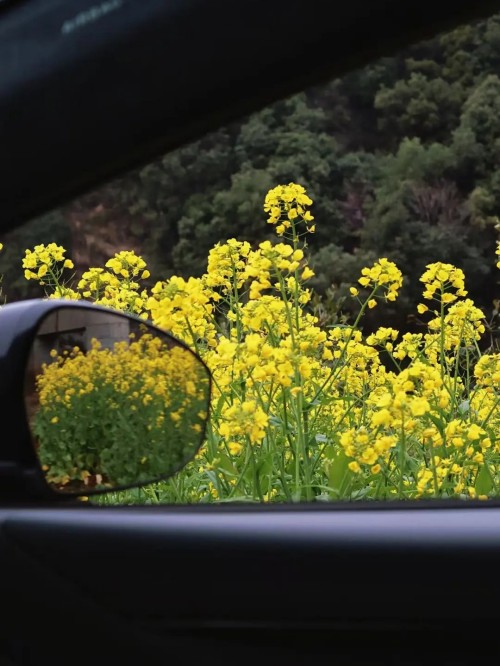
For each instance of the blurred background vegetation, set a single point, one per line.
(401, 158)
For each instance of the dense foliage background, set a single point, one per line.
(401, 159)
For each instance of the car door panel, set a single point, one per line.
(203, 582)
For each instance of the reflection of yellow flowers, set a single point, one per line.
(141, 369)
(143, 386)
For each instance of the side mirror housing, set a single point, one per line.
(98, 400)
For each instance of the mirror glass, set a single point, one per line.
(112, 401)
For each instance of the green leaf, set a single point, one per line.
(437, 422)
(338, 471)
(331, 452)
(484, 482)
(226, 464)
(265, 466)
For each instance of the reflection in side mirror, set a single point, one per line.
(112, 401)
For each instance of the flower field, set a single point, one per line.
(302, 411)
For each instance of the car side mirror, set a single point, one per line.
(109, 401)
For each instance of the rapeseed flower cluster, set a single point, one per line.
(288, 205)
(384, 278)
(46, 263)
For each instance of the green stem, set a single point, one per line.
(256, 480)
(434, 472)
(402, 455)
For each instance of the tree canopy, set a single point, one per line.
(401, 159)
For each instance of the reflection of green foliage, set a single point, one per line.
(125, 415)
